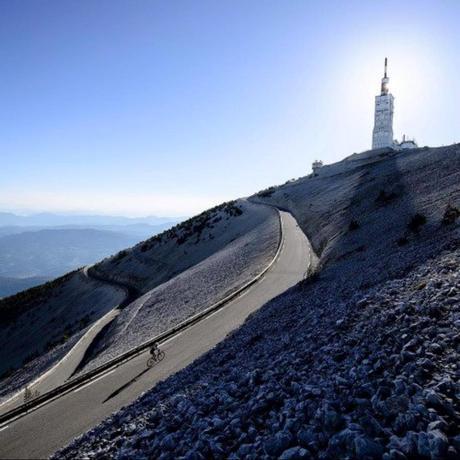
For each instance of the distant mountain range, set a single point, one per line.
(140, 231)
(9, 286)
(39, 247)
(83, 220)
(50, 253)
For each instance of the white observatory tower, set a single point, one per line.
(382, 136)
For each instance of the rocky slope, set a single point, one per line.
(158, 259)
(358, 377)
(253, 244)
(362, 209)
(360, 361)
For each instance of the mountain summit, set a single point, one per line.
(358, 361)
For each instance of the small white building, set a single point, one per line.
(406, 144)
(316, 165)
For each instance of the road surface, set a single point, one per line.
(50, 427)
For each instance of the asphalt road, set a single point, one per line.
(43, 431)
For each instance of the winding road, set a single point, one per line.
(65, 368)
(49, 427)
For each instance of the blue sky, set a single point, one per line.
(168, 107)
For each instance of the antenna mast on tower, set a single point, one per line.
(385, 80)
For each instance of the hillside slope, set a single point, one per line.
(238, 238)
(38, 326)
(360, 361)
(252, 246)
(158, 259)
(359, 210)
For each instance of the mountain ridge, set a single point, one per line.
(55, 219)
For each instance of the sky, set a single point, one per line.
(140, 107)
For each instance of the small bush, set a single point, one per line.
(181, 240)
(416, 222)
(84, 321)
(268, 192)
(420, 286)
(354, 225)
(28, 395)
(30, 357)
(313, 278)
(7, 373)
(119, 256)
(402, 241)
(385, 198)
(145, 247)
(451, 214)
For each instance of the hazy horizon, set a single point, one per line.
(146, 108)
(29, 212)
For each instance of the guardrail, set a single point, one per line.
(90, 375)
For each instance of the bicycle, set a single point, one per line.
(156, 358)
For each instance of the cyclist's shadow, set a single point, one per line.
(126, 385)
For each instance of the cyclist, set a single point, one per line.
(154, 350)
(157, 355)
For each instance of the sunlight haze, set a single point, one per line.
(169, 108)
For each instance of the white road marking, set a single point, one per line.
(4, 427)
(174, 337)
(243, 294)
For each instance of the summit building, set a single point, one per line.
(382, 135)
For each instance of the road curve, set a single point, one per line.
(67, 365)
(64, 368)
(43, 431)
